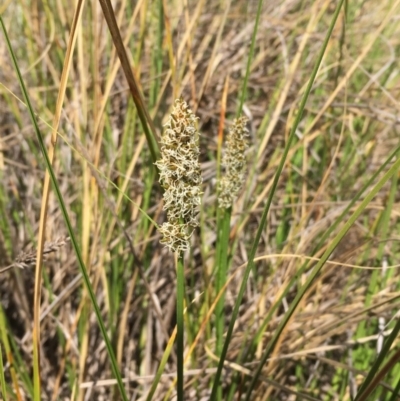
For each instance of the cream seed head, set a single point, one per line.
(234, 163)
(180, 176)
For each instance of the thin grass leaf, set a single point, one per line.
(224, 218)
(2, 378)
(67, 222)
(9, 355)
(266, 210)
(324, 237)
(318, 267)
(250, 59)
(396, 392)
(365, 387)
(368, 390)
(161, 367)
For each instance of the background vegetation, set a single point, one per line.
(341, 162)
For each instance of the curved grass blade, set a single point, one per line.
(317, 268)
(56, 188)
(268, 204)
(323, 238)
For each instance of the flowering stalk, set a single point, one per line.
(180, 176)
(234, 162)
(181, 179)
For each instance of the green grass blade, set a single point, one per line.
(180, 302)
(2, 378)
(67, 220)
(224, 218)
(323, 238)
(396, 392)
(250, 58)
(252, 253)
(10, 357)
(373, 384)
(317, 268)
(161, 367)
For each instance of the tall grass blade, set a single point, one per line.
(9, 355)
(252, 253)
(2, 378)
(67, 222)
(324, 237)
(161, 367)
(250, 58)
(224, 218)
(317, 269)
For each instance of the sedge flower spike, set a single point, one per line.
(180, 176)
(234, 163)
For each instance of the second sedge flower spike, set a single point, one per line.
(180, 176)
(234, 163)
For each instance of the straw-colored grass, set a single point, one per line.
(317, 313)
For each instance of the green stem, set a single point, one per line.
(2, 379)
(221, 272)
(180, 297)
(250, 58)
(261, 226)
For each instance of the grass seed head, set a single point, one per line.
(180, 176)
(234, 163)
